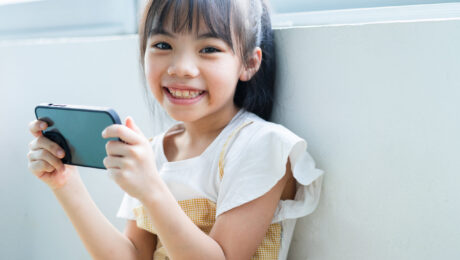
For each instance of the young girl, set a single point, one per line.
(224, 183)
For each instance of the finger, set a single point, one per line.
(38, 168)
(114, 173)
(36, 127)
(112, 162)
(117, 148)
(44, 155)
(42, 142)
(129, 122)
(122, 132)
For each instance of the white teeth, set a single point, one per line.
(184, 93)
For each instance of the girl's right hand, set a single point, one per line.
(45, 158)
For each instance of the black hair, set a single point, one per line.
(250, 24)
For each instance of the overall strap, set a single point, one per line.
(222, 153)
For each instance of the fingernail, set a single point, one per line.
(60, 153)
(103, 133)
(43, 125)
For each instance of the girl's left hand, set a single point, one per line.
(131, 163)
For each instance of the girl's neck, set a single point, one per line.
(210, 126)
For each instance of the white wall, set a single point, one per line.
(377, 104)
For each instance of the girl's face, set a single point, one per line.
(192, 76)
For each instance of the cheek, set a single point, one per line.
(153, 74)
(223, 77)
(227, 70)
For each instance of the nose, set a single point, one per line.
(183, 65)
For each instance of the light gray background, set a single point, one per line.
(377, 103)
(285, 6)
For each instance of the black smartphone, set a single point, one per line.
(78, 130)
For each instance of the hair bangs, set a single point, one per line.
(186, 16)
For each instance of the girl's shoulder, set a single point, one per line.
(261, 141)
(257, 159)
(259, 130)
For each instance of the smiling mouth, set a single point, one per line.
(184, 94)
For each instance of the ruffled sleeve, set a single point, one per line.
(255, 165)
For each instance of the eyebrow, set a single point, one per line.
(162, 31)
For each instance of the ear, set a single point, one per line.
(255, 59)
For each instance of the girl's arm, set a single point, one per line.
(241, 230)
(144, 241)
(178, 234)
(236, 234)
(100, 237)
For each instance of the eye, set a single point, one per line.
(209, 50)
(162, 46)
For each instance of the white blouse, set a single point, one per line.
(254, 159)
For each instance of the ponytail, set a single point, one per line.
(257, 94)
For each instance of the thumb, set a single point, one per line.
(129, 122)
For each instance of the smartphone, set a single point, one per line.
(78, 130)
